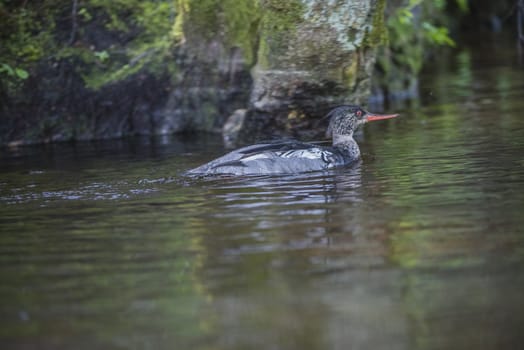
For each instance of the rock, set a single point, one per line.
(286, 62)
(232, 127)
(312, 56)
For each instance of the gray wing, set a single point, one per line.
(233, 159)
(273, 158)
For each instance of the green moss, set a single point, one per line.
(243, 18)
(283, 15)
(177, 29)
(350, 73)
(379, 33)
(237, 19)
(277, 27)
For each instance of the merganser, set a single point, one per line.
(289, 157)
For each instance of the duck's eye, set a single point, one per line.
(359, 113)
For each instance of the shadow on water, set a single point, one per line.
(104, 245)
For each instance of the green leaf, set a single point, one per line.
(437, 35)
(414, 3)
(7, 68)
(463, 5)
(102, 55)
(21, 73)
(85, 14)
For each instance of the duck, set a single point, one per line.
(293, 157)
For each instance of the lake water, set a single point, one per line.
(420, 246)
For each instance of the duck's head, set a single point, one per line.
(344, 120)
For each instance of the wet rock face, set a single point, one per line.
(311, 57)
(213, 81)
(285, 62)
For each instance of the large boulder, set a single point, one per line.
(312, 55)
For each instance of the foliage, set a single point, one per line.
(24, 41)
(107, 41)
(104, 41)
(413, 27)
(404, 20)
(142, 39)
(13, 72)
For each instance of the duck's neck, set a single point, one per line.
(348, 144)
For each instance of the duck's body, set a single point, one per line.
(290, 157)
(279, 158)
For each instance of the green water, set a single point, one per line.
(421, 246)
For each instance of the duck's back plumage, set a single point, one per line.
(275, 158)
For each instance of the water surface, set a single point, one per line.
(420, 246)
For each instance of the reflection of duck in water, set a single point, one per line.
(290, 157)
